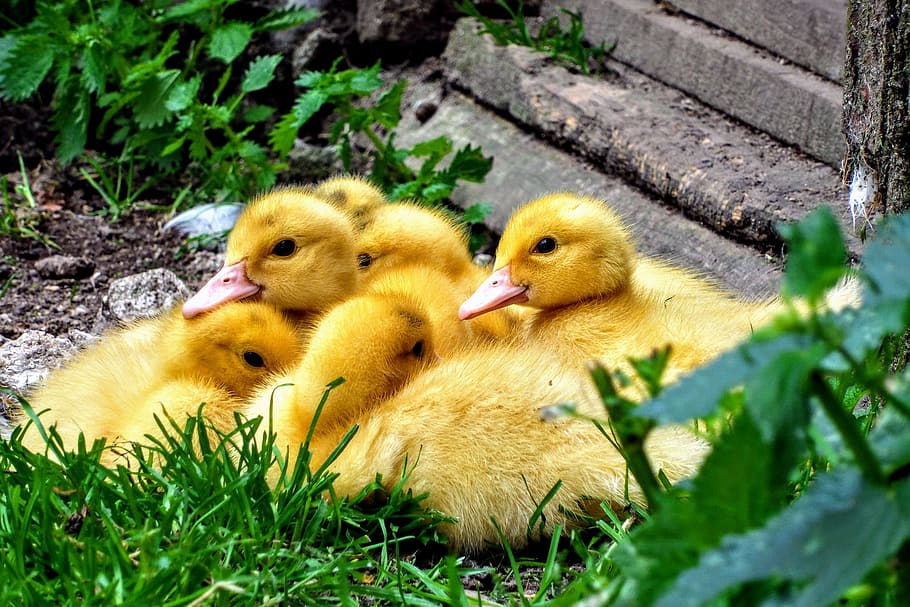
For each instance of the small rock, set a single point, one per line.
(424, 110)
(27, 360)
(211, 219)
(144, 295)
(64, 266)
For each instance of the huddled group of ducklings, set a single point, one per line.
(444, 378)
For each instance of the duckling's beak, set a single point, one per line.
(497, 291)
(229, 284)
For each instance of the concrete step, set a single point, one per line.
(712, 169)
(526, 167)
(792, 104)
(809, 33)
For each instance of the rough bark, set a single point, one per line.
(876, 98)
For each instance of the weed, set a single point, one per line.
(567, 47)
(21, 220)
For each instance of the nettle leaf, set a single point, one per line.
(470, 164)
(183, 94)
(364, 82)
(25, 66)
(258, 113)
(229, 40)
(71, 121)
(93, 68)
(436, 192)
(816, 255)
(387, 110)
(285, 19)
(887, 292)
(260, 73)
(150, 109)
(822, 544)
(729, 495)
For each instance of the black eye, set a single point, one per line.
(253, 359)
(364, 260)
(284, 248)
(544, 246)
(417, 350)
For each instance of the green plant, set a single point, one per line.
(118, 192)
(17, 219)
(803, 500)
(565, 46)
(155, 83)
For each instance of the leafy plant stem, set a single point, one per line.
(848, 429)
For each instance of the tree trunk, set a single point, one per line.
(876, 99)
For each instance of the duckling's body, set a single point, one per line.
(377, 342)
(572, 261)
(290, 248)
(114, 388)
(404, 234)
(469, 432)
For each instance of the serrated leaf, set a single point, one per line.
(822, 544)
(229, 40)
(886, 258)
(25, 67)
(183, 94)
(364, 82)
(816, 255)
(387, 110)
(71, 122)
(470, 164)
(283, 134)
(93, 69)
(252, 151)
(436, 192)
(150, 109)
(260, 73)
(286, 19)
(434, 148)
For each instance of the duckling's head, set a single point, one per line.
(290, 248)
(403, 233)
(236, 345)
(354, 195)
(377, 342)
(555, 251)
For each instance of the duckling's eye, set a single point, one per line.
(253, 359)
(364, 260)
(284, 248)
(544, 246)
(417, 350)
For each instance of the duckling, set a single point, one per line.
(468, 432)
(113, 388)
(354, 195)
(377, 342)
(290, 248)
(572, 260)
(401, 234)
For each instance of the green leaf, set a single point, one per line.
(183, 94)
(260, 73)
(364, 82)
(476, 213)
(816, 255)
(150, 109)
(25, 66)
(470, 164)
(71, 121)
(229, 40)
(258, 113)
(887, 294)
(93, 68)
(387, 110)
(822, 544)
(285, 19)
(434, 148)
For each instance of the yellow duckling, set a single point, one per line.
(468, 431)
(376, 342)
(572, 260)
(290, 248)
(169, 364)
(402, 234)
(354, 195)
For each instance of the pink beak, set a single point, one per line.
(496, 292)
(229, 284)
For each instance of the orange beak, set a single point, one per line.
(497, 291)
(229, 284)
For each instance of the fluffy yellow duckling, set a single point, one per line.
(402, 234)
(354, 195)
(166, 364)
(376, 342)
(468, 431)
(290, 248)
(572, 260)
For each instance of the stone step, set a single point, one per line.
(731, 178)
(526, 167)
(810, 33)
(792, 104)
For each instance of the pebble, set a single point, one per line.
(58, 267)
